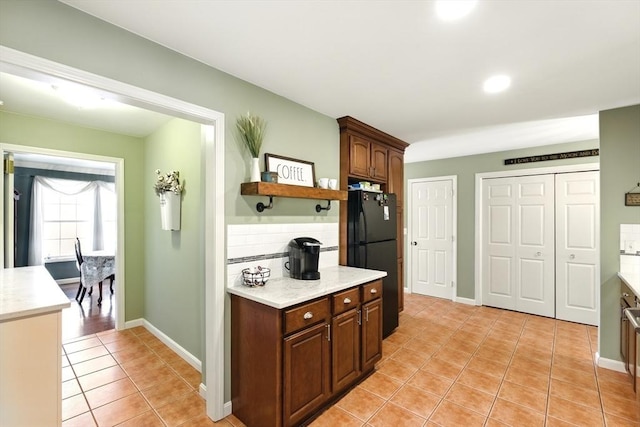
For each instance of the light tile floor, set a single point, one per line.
(447, 364)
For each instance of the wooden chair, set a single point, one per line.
(79, 260)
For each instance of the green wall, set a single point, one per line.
(466, 168)
(174, 272)
(619, 173)
(43, 133)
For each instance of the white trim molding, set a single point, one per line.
(614, 365)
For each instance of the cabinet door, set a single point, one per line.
(624, 334)
(396, 176)
(378, 162)
(371, 334)
(306, 372)
(345, 344)
(359, 157)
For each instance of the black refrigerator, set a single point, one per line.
(371, 243)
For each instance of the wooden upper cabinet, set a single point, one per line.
(367, 160)
(359, 157)
(396, 175)
(378, 162)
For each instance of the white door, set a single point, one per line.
(431, 239)
(577, 236)
(518, 225)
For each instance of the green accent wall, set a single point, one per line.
(174, 263)
(466, 168)
(43, 133)
(619, 173)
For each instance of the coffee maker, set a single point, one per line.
(303, 258)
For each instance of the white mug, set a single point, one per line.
(333, 184)
(323, 182)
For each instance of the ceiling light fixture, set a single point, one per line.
(497, 83)
(80, 97)
(452, 10)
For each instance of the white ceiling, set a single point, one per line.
(395, 66)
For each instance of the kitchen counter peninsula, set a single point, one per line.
(285, 292)
(299, 345)
(632, 280)
(31, 304)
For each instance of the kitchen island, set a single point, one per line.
(298, 345)
(30, 347)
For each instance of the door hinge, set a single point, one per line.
(453, 238)
(8, 166)
(453, 283)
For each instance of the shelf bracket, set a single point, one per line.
(320, 208)
(260, 207)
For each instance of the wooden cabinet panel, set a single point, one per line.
(378, 162)
(371, 291)
(306, 372)
(396, 175)
(308, 314)
(345, 344)
(371, 334)
(346, 300)
(359, 157)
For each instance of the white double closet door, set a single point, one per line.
(540, 245)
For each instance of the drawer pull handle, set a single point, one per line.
(374, 291)
(308, 315)
(347, 301)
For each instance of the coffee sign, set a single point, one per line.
(291, 171)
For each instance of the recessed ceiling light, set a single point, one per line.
(451, 10)
(497, 83)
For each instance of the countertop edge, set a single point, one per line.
(261, 296)
(33, 312)
(631, 280)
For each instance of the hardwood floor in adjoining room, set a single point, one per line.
(447, 364)
(87, 318)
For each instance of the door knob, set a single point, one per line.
(572, 256)
(414, 243)
(538, 253)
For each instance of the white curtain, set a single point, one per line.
(69, 188)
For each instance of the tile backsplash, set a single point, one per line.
(630, 248)
(266, 245)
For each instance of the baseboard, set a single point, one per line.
(462, 300)
(203, 391)
(226, 409)
(180, 351)
(614, 365)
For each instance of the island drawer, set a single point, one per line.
(306, 315)
(371, 291)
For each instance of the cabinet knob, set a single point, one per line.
(374, 291)
(308, 315)
(347, 301)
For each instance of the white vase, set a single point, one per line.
(255, 169)
(170, 210)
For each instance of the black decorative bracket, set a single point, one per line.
(320, 208)
(260, 207)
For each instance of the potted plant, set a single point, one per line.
(169, 189)
(250, 130)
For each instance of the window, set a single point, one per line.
(64, 209)
(66, 217)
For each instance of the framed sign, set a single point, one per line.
(291, 171)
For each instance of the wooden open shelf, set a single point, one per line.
(272, 190)
(294, 191)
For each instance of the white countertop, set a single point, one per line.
(284, 291)
(29, 291)
(632, 280)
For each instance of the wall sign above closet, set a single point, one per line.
(555, 156)
(632, 197)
